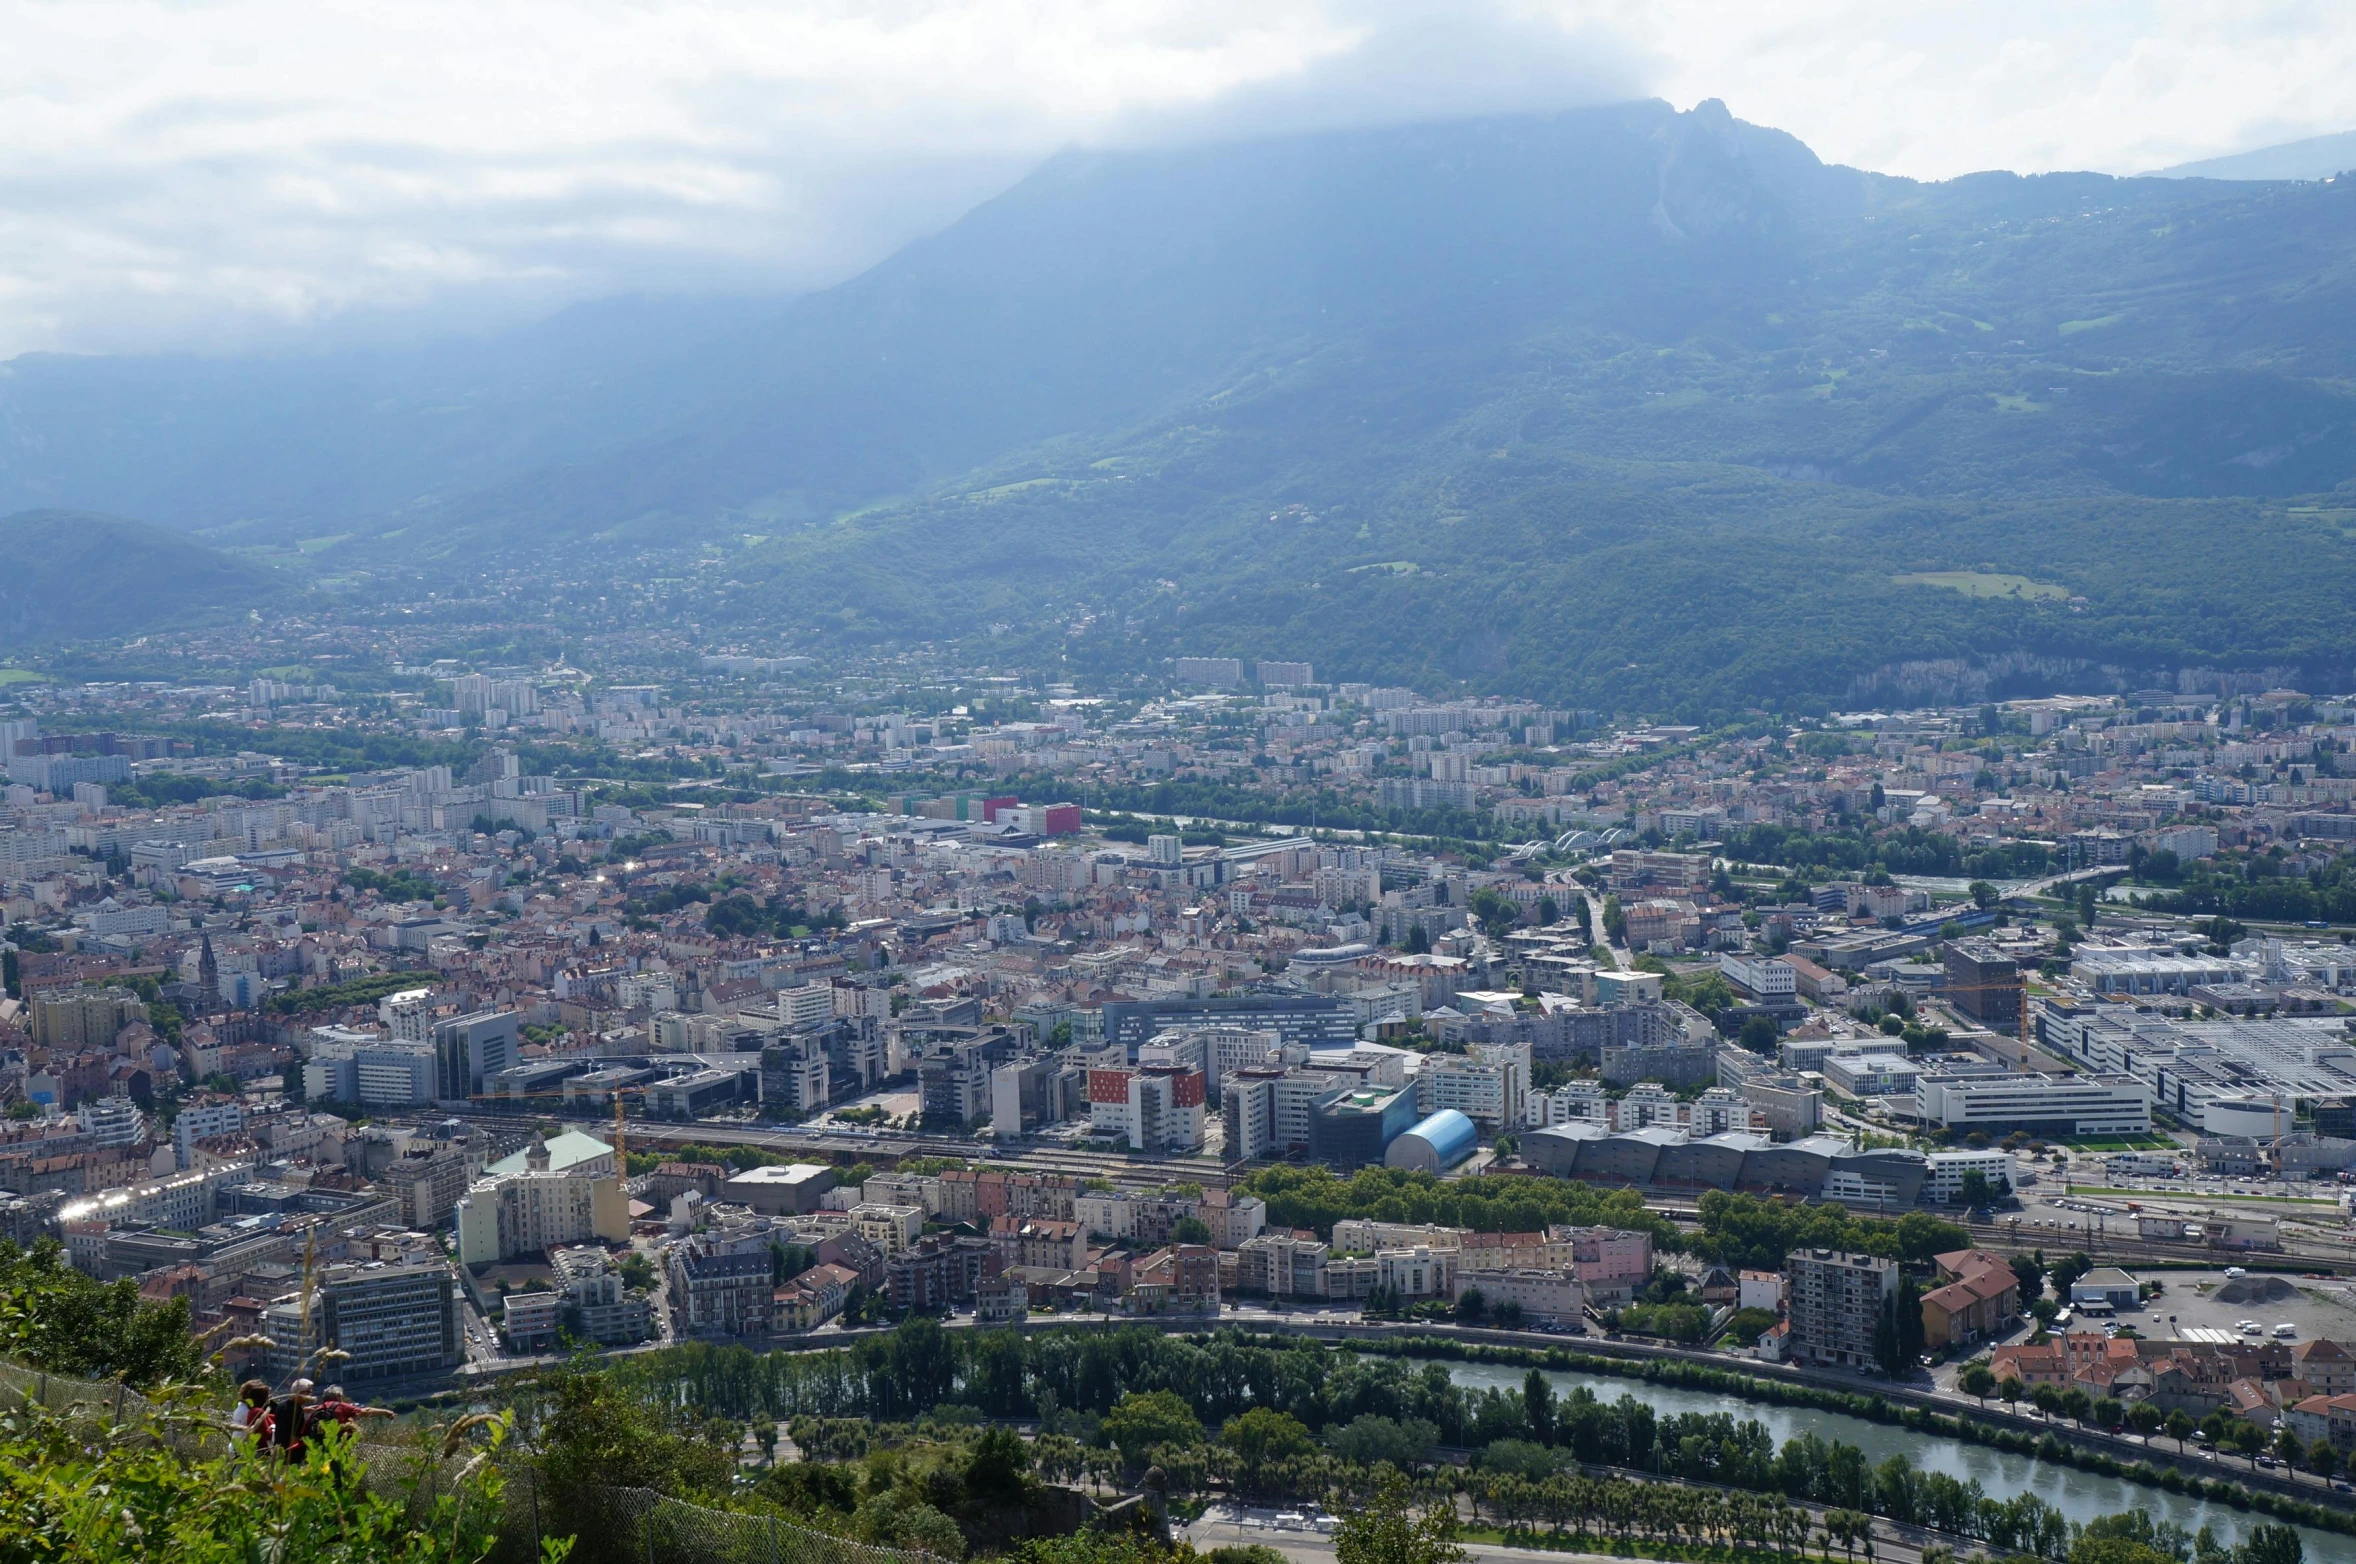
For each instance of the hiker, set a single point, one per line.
(290, 1417)
(333, 1405)
(249, 1420)
(338, 1416)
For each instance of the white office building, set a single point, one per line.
(2060, 1105)
(1760, 977)
(1488, 1083)
(1944, 1186)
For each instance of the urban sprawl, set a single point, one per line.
(473, 1014)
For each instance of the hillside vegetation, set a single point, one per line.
(1620, 407)
(70, 575)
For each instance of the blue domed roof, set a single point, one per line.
(1450, 1135)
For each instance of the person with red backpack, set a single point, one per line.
(340, 1416)
(290, 1422)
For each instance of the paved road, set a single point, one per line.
(1225, 1525)
(1595, 927)
(2044, 886)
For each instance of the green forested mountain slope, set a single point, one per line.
(1621, 406)
(71, 575)
(1685, 469)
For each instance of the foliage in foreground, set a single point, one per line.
(54, 1318)
(166, 1486)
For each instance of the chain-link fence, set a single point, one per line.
(410, 1465)
(69, 1397)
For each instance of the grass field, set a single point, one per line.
(1980, 583)
(10, 676)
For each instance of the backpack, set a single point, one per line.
(288, 1423)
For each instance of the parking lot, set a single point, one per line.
(898, 1106)
(2198, 1301)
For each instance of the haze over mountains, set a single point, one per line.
(2316, 157)
(1619, 406)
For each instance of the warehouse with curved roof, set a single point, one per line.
(1658, 1156)
(1435, 1145)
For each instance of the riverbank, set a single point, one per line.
(1917, 1410)
(2013, 1433)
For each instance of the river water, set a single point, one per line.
(2081, 1496)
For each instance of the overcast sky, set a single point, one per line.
(265, 171)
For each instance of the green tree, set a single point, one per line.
(1142, 1419)
(1976, 1380)
(53, 1317)
(1386, 1528)
(1262, 1435)
(2272, 1544)
(2116, 1550)
(2247, 1439)
(2067, 1271)
(1370, 1437)
(594, 1435)
(1538, 1406)
(998, 1470)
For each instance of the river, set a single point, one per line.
(2081, 1496)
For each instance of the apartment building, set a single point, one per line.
(389, 1319)
(1837, 1305)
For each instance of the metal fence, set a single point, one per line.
(70, 1397)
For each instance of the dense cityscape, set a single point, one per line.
(505, 1015)
(1331, 782)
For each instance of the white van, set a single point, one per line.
(2285, 1332)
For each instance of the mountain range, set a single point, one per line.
(2316, 157)
(1621, 407)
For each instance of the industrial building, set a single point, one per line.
(1657, 1157)
(794, 1189)
(2056, 1105)
(2229, 1076)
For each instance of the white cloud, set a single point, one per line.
(199, 175)
(1950, 86)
